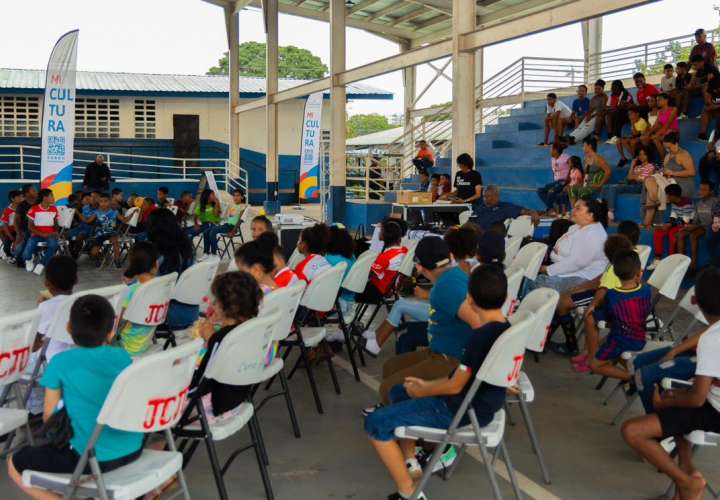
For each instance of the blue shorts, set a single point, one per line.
(101, 238)
(426, 412)
(615, 345)
(583, 298)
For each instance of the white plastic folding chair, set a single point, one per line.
(148, 396)
(530, 258)
(542, 303)
(125, 238)
(407, 266)
(512, 247)
(666, 279)
(643, 252)
(245, 221)
(17, 336)
(287, 301)
(501, 368)
(294, 259)
(66, 216)
(190, 288)
(514, 281)
(238, 361)
(464, 216)
(521, 226)
(150, 302)
(319, 297)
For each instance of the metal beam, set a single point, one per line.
(438, 72)
(432, 21)
(407, 17)
(384, 11)
(271, 112)
(360, 6)
(482, 36)
(338, 99)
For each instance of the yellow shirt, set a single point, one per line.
(609, 279)
(640, 126)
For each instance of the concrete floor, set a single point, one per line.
(586, 456)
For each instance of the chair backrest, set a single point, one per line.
(542, 303)
(690, 308)
(668, 275)
(514, 281)
(133, 216)
(149, 303)
(357, 276)
(17, 336)
(512, 247)
(194, 283)
(65, 217)
(245, 221)
(295, 258)
(287, 301)
(240, 357)
(58, 325)
(503, 363)
(530, 258)
(150, 394)
(643, 252)
(464, 216)
(407, 266)
(320, 295)
(521, 226)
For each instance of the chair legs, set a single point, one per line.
(533, 439)
(261, 456)
(215, 464)
(628, 404)
(618, 387)
(289, 403)
(180, 474)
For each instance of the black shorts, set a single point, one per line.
(681, 421)
(61, 461)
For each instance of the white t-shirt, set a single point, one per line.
(708, 362)
(560, 106)
(47, 311)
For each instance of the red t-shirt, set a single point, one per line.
(647, 91)
(8, 219)
(385, 267)
(43, 218)
(285, 277)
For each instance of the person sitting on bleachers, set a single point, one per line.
(682, 213)
(433, 399)
(711, 95)
(596, 170)
(81, 378)
(494, 210)
(644, 92)
(679, 412)
(681, 93)
(667, 123)
(640, 170)
(559, 115)
(593, 121)
(709, 166)
(551, 194)
(625, 308)
(638, 127)
(576, 180)
(616, 114)
(705, 207)
(311, 245)
(42, 228)
(424, 158)
(667, 81)
(580, 106)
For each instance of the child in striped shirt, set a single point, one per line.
(682, 213)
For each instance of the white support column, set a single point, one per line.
(272, 204)
(409, 88)
(232, 29)
(463, 109)
(479, 77)
(337, 112)
(592, 34)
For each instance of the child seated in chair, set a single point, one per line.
(678, 412)
(42, 226)
(82, 378)
(625, 309)
(312, 246)
(105, 219)
(434, 403)
(256, 258)
(259, 225)
(386, 265)
(143, 266)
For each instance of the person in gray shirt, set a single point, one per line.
(706, 207)
(594, 118)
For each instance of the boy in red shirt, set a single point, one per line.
(644, 91)
(42, 226)
(7, 224)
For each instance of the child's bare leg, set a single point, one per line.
(392, 456)
(408, 448)
(694, 239)
(383, 332)
(607, 369)
(116, 247)
(591, 335)
(565, 304)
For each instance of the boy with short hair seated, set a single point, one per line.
(42, 226)
(434, 403)
(82, 378)
(7, 224)
(682, 213)
(625, 309)
(678, 411)
(105, 219)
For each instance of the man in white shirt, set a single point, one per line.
(681, 411)
(559, 115)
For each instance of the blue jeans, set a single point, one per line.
(610, 191)
(81, 229)
(20, 248)
(52, 246)
(426, 412)
(652, 371)
(561, 285)
(552, 194)
(418, 310)
(210, 236)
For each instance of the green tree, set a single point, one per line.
(673, 54)
(293, 62)
(366, 124)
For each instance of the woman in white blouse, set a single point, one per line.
(578, 255)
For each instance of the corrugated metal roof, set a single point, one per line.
(34, 79)
(391, 135)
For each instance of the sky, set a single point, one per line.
(188, 37)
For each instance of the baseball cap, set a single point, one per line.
(432, 252)
(491, 247)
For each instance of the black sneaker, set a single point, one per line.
(563, 349)
(622, 162)
(702, 137)
(542, 144)
(398, 496)
(371, 409)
